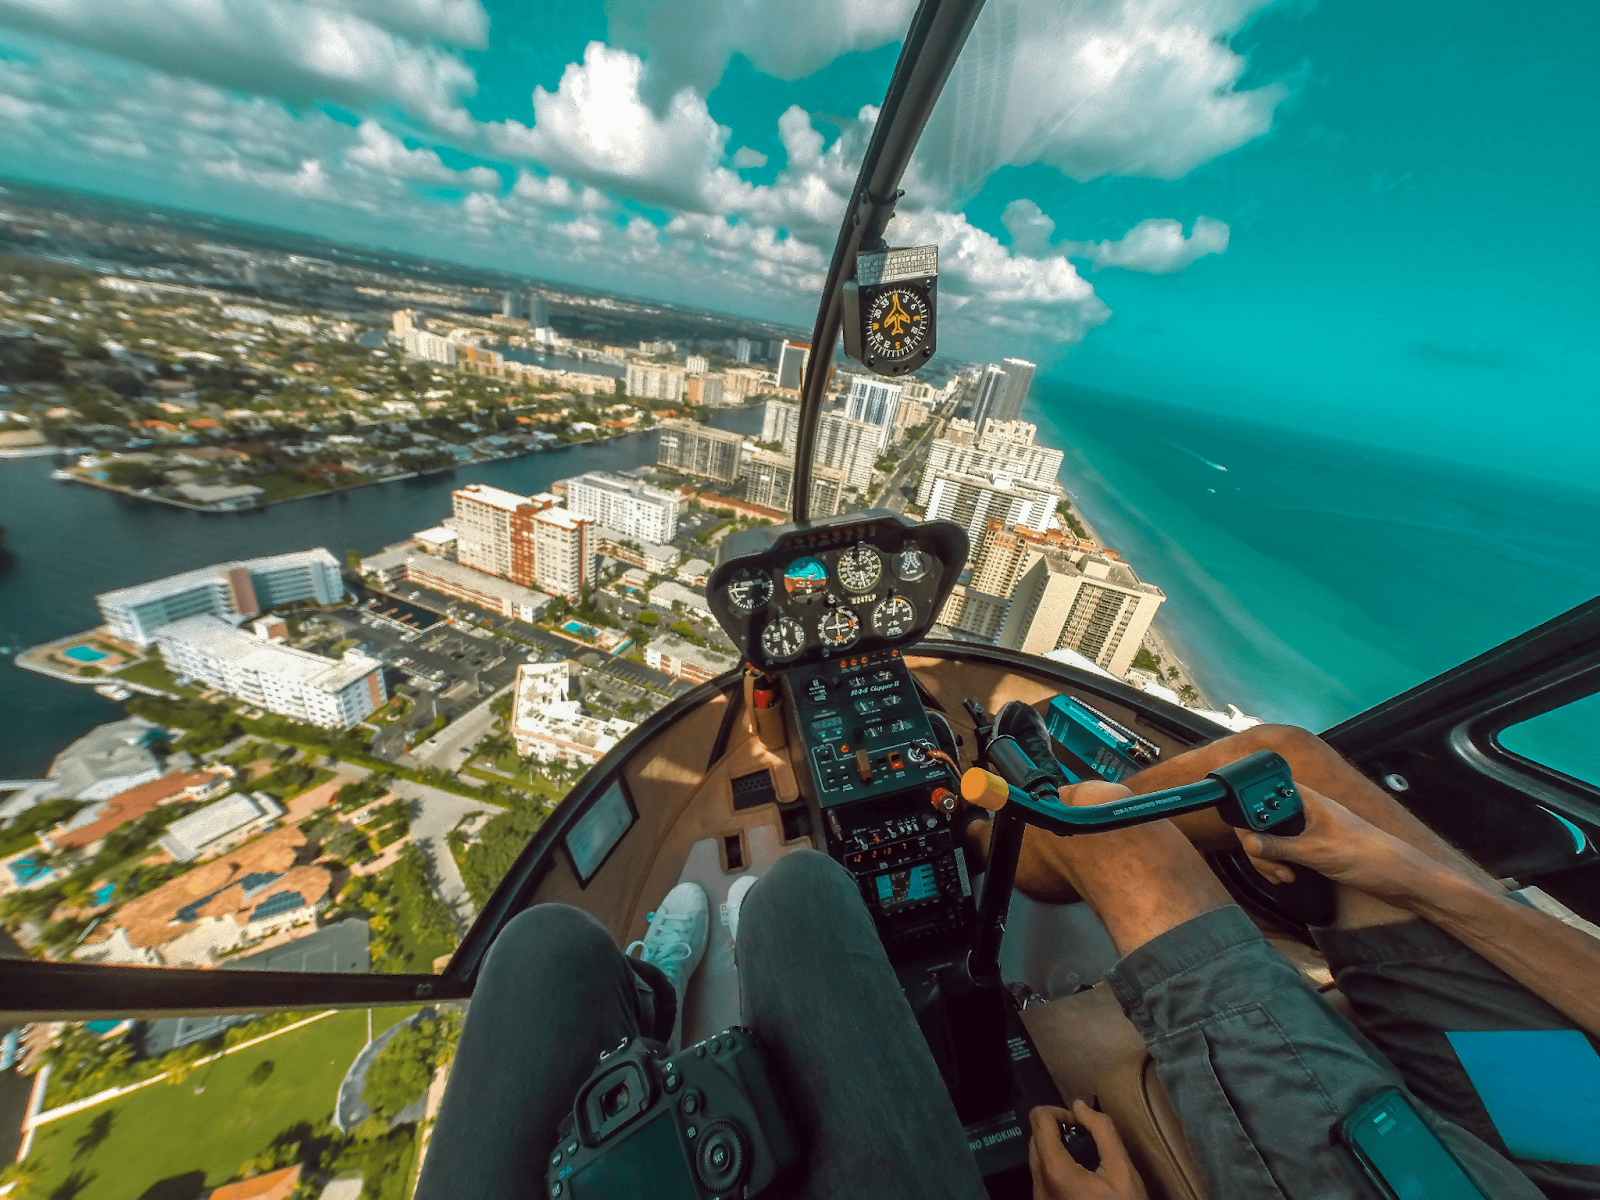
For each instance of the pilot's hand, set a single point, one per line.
(1347, 848)
(1057, 1175)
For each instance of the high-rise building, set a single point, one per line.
(973, 501)
(769, 481)
(848, 446)
(876, 403)
(989, 394)
(332, 693)
(709, 390)
(792, 360)
(1083, 602)
(742, 350)
(429, 346)
(697, 449)
(1019, 378)
(494, 531)
(240, 588)
(1004, 447)
(742, 382)
(780, 422)
(564, 546)
(633, 509)
(655, 381)
(974, 614)
(1003, 551)
(534, 309)
(406, 319)
(697, 364)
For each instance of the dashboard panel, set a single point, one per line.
(794, 595)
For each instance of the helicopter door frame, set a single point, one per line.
(1437, 749)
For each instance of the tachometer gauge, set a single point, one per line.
(749, 592)
(893, 618)
(911, 564)
(783, 639)
(839, 627)
(805, 577)
(860, 568)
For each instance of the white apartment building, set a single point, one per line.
(697, 449)
(1080, 601)
(635, 510)
(332, 693)
(546, 723)
(876, 403)
(655, 381)
(563, 552)
(1004, 447)
(240, 588)
(780, 422)
(972, 501)
(697, 364)
(769, 481)
(419, 343)
(848, 446)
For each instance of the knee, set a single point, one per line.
(804, 878)
(546, 934)
(1295, 744)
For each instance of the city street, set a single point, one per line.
(894, 494)
(435, 813)
(452, 746)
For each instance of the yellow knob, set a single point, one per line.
(985, 790)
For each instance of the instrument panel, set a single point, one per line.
(789, 595)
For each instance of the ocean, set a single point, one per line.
(1307, 577)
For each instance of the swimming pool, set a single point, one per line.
(84, 654)
(579, 629)
(26, 870)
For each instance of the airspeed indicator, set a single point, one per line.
(893, 618)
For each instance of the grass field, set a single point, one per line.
(152, 672)
(164, 1139)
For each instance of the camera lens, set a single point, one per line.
(720, 1158)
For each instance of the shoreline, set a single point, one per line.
(1155, 638)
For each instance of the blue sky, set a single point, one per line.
(1367, 219)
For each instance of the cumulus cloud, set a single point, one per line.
(596, 126)
(689, 43)
(1093, 88)
(746, 157)
(379, 151)
(1028, 226)
(1155, 246)
(356, 53)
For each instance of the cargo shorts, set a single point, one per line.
(1260, 1068)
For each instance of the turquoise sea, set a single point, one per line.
(1307, 577)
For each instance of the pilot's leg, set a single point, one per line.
(554, 992)
(1259, 1067)
(817, 988)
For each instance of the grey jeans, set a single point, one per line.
(816, 987)
(1260, 1068)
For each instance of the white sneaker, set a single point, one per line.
(736, 894)
(676, 941)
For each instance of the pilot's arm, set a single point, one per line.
(1057, 1177)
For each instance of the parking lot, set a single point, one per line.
(459, 665)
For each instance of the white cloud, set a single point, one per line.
(746, 157)
(596, 126)
(359, 53)
(1028, 226)
(688, 43)
(1155, 246)
(1093, 88)
(379, 151)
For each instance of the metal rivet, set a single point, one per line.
(1396, 783)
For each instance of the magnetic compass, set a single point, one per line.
(890, 309)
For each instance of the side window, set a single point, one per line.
(131, 1108)
(1564, 739)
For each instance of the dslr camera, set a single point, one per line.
(709, 1123)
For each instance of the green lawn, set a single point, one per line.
(152, 672)
(162, 1133)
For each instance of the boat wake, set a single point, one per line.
(1215, 466)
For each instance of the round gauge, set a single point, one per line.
(839, 627)
(805, 577)
(783, 639)
(912, 564)
(748, 592)
(893, 618)
(898, 321)
(860, 568)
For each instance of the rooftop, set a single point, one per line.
(496, 497)
(105, 754)
(562, 518)
(618, 485)
(94, 823)
(685, 651)
(466, 577)
(217, 820)
(216, 637)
